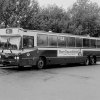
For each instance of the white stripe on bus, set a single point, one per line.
(90, 49)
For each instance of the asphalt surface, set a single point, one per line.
(71, 82)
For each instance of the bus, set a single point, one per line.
(21, 47)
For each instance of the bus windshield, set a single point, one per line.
(10, 42)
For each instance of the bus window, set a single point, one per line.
(42, 40)
(78, 42)
(28, 42)
(10, 42)
(62, 41)
(98, 44)
(92, 43)
(86, 42)
(52, 40)
(70, 41)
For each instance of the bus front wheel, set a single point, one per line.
(40, 63)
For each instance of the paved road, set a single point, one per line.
(64, 83)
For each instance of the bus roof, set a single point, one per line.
(52, 33)
(21, 32)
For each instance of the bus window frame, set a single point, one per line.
(81, 42)
(10, 36)
(42, 45)
(56, 41)
(73, 42)
(91, 46)
(21, 43)
(64, 46)
(88, 42)
(96, 43)
(28, 37)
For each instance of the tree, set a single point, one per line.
(30, 16)
(51, 18)
(6, 9)
(84, 18)
(14, 12)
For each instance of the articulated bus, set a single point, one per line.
(22, 48)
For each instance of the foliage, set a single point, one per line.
(32, 13)
(51, 18)
(12, 12)
(85, 18)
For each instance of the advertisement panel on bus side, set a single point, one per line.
(69, 52)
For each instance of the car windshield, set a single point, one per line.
(10, 42)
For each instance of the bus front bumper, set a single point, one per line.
(8, 62)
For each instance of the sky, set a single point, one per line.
(61, 3)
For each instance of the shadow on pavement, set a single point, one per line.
(11, 69)
(15, 68)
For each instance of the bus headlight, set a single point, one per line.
(16, 57)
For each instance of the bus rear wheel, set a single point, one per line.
(92, 61)
(40, 63)
(87, 61)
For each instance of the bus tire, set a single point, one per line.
(95, 60)
(92, 61)
(87, 61)
(40, 63)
